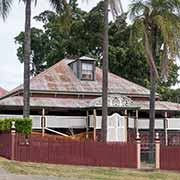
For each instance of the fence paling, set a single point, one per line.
(170, 157)
(5, 145)
(76, 153)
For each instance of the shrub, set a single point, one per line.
(23, 125)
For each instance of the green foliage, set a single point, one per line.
(126, 59)
(157, 25)
(22, 125)
(172, 95)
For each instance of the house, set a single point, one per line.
(69, 95)
(2, 91)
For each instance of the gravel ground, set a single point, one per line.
(4, 175)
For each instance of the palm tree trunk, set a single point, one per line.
(153, 81)
(152, 107)
(27, 50)
(105, 75)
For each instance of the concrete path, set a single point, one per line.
(4, 175)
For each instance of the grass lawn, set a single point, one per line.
(84, 172)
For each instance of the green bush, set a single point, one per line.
(23, 125)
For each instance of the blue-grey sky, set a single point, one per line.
(11, 70)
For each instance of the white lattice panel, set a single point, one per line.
(36, 123)
(130, 122)
(159, 124)
(66, 121)
(98, 121)
(4, 116)
(144, 123)
(173, 123)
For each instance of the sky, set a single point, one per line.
(11, 70)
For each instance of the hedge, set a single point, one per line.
(23, 125)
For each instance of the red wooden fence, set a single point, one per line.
(5, 145)
(76, 153)
(170, 157)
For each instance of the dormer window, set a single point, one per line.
(84, 68)
(87, 71)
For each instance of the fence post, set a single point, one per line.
(157, 146)
(13, 139)
(138, 144)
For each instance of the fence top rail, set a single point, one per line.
(32, 138)
(177, 146)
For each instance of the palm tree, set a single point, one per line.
(60, 6)
(157, 24)
(27, 52)
(5, 5)
(105, 69)
(116, 9)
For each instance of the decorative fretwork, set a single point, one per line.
(114, 101)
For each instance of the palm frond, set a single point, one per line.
(64, 11)
(165, 16)
(164, 63)
(5, 6)
(170, 30)
(137, 30)
(59, 5)
(116, 7)
(136, 8)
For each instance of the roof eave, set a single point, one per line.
(75, 92)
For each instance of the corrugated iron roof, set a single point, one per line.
(2, 91)
(68, 102)
(46, 102)
(82, 103)
(60, 77)
(159, 105)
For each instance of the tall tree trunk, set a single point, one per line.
(152, 106)
(153, 89)
(105, 74)
(27, 50)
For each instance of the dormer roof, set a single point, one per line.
(87, 58)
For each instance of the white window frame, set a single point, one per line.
(87, 69)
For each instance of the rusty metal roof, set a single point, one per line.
(46, 102)
(83, 103)
(159, 105)
(2, 91)
(61, 78)
(115, 101)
